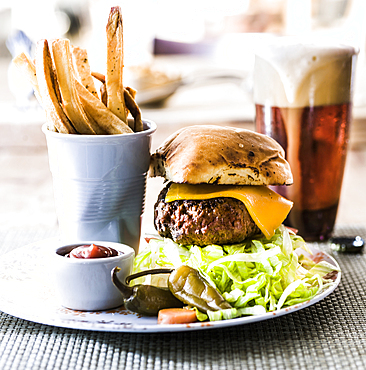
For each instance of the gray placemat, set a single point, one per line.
(328, 335)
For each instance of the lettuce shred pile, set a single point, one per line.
(258, 276)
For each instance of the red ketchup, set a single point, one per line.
(92, 251)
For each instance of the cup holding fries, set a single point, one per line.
(98, 143)
(99, 184)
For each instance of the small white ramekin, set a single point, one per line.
(86, 284)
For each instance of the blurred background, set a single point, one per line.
(190, 61)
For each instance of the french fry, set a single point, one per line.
(129, 95)
(82, 68)
(132, 92)
(133, 108)
(114, 76)
(48, 90)
(103, 94)
(63, 83)
(107, 120)
(27, 67)
(99, 76)
(103, 90)
(70, 100)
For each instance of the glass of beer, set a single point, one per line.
(303, 99)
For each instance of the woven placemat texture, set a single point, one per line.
(328, 335)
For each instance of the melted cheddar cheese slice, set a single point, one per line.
(267, 208)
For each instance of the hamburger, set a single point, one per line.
(218, 215)
(217, 191)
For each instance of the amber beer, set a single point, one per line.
(320, 156)
(303, 100)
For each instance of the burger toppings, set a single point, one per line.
(203, 222)
(257, 276)
(185, 286)
(267, 208)
(189, 286)
(143, 298)
(177, 316)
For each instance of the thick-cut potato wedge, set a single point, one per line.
(137, 120)
(48, 90)
(103, 90)
(28, 69)
(99, 76)
(82, 68)
(114, 76)
(66, 78)
(133, 108)
(64, 85)
(103, 94)
(107, 120)
(131, 105)
(132, 92)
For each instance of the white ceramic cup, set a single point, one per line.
(100, 183)
(86, 284)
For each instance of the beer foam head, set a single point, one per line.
(289, 73)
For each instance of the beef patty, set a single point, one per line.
(203, 222)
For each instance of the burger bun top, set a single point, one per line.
(208, 154)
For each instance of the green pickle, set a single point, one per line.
(145, 299)
(188, 285)
(185, 286)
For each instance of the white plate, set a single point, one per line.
(26, 292)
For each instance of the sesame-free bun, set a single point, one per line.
(207, 154)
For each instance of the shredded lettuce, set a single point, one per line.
(232, 313)
(257, 276)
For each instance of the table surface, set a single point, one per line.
(330, 334)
